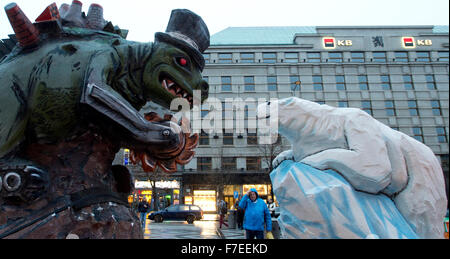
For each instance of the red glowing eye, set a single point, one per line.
(183, 62)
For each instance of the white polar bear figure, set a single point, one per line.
(372, 157)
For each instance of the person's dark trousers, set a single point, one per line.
(240, 219)
(251, 234)
(222, 220)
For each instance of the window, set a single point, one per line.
(291, 57)
(226, 83)
(407, 82)
(204, 138)
(249, 83)
(227, 110)
(313, 57)
(442, 138)
(295, 83)
(385, 82)
(366, 106)
(443, 56)
(183, 208)
(417, 133)
(335, 57)
(227, 138)
(250, 110)
(412, 104)
(357, 57)
(272, 84)
(247, 57)
(436, 107)
(423, 56)
(389, 107)
(363, 82)
(252, 138)
(206, 56)
(269, 57)
(225, 58)
(340, 82)
(229, 163)
(401, 56)
(431, 84)
(204, 163)
(195, 208)
(173, 208)
(253, 163)
(342, 104)
(204, 110)
(317, 83)
(379, 56)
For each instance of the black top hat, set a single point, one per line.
(187, 31)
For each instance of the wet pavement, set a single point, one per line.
(207, 228)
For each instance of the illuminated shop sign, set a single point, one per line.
(328, 43)
(410, 43)
(159, 184)
(332, 43)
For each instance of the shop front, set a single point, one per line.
(205, 189)
(206, 199)
(166, 193)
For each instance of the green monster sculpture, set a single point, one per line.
(70, 95)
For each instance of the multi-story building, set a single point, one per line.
(398, 74)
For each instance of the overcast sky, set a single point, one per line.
(144, 17)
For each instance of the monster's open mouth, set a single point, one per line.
(175, 89)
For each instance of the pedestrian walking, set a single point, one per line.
(222, 212)
(239, 214)
(256, 215)
(143, 209)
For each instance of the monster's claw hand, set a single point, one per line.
(285, 155)
(167, 157)
(24, 183)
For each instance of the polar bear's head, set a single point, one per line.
(290, 115)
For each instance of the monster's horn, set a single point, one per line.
(63, 9)
(27, 35)
(75, 9)
(50, 13)
(95, 17)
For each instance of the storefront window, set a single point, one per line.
(187, 199)
(262, 189)
(205, 199)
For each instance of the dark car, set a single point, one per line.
(190, 213)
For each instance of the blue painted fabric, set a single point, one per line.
(339, 210)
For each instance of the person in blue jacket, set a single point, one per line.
(256, 215)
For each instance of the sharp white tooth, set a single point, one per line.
(164, 84)
(185, 95)
(171, 83)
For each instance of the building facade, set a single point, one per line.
(398, 74)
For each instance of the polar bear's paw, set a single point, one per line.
(285, 155)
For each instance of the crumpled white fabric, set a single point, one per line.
(369, 155)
